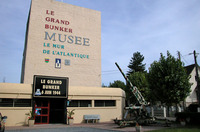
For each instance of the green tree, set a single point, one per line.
(118, 84)
(138, 79)
(136, 64)
(137, 76)
(168, 80)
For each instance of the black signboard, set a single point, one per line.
(50, 87)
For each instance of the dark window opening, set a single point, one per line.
(22, 103)
(110, 103)
(99, 103)
(15, 103)
(80, 103)
(104, 103)
(6, 102)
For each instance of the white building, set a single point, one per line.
(192, 98)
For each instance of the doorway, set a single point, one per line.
(50, 111)
(57, 111)
(41, 108)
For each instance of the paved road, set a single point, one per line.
(67, 129)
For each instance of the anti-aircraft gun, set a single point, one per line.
(140, 113)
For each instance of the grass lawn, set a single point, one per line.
(178, 130)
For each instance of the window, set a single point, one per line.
(73, 103)
(22, 103)
(6, 102)
(99, 103)
(110, 103)
(104, 103)
(15, 102)
(80, 103)
(85, 103)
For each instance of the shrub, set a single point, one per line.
(189, 117)
(193, 107)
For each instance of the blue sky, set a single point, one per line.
(150, 27)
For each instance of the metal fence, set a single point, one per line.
(161, 111)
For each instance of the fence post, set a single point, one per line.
(152, 111)
(198, 109)
(179, 109)
(164, 109)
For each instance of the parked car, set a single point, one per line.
(2, 122)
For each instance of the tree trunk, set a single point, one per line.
(167, 111)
